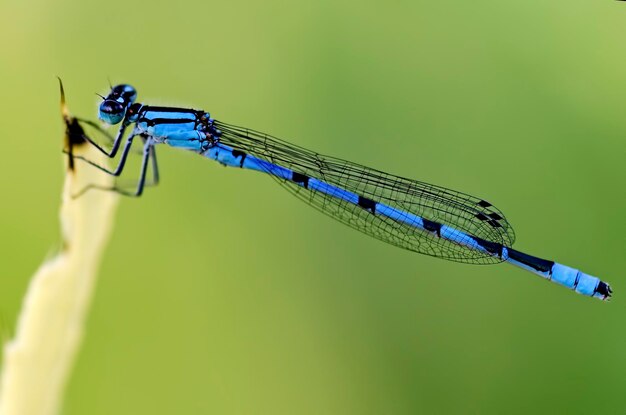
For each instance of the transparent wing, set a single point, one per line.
(461, 211)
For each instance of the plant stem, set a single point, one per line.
(38, 361)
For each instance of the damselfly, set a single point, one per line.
(410, 214)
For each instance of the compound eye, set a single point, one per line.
(127, 92)
(130, 94)
(111, 112)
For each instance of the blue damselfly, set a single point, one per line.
(410, 214)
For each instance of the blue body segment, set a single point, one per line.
(568, 277)
(561, 274)
(410, 214)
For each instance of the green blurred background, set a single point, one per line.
(222, 293)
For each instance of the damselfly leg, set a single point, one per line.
(149, 154)
(99, 129)
(116, 141)
(120, 165)
(96, 135)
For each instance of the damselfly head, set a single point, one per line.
(113, 108)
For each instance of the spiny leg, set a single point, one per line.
(98, 128)
(148, 153)
(154, 180)
(116, 141)
(155, 167)
(120, 166)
